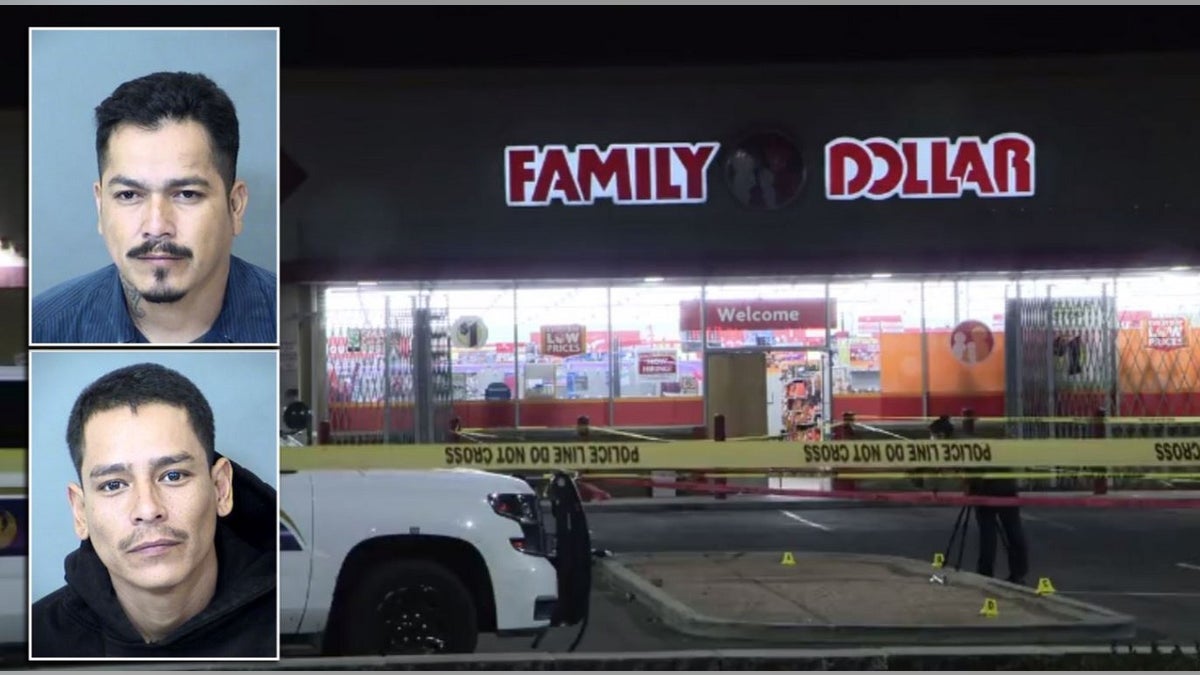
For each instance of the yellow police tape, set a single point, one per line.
(911, 458)
(684, 455)
(1169, 473)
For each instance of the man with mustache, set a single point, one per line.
(179, 544)
(169, 206)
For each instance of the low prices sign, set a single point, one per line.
(1166, 333)
(929, 168)
(564, 340)
(626, 173)
(657, 364)
(756, 314)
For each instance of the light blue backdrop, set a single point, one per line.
(74, 70)
(240, 387)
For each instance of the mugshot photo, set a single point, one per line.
(154, 518)
(153, 163)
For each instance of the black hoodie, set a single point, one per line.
(84, 619)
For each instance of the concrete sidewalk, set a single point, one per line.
(840, 599)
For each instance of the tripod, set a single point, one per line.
(961, 525)
(959, 534)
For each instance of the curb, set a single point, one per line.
(1096, 624)
(893, 658)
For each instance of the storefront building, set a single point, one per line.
(898, 240)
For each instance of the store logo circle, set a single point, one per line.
(764, 171)
(972, 342)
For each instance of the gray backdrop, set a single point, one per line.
(240, 387)
(74, 70)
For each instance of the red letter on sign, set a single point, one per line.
(695, 162)
(1013, 153)
(837, 154)
(604, 171)
(519, 173)
(890, 154)
(943, 185)
(970, 168)
(667, 190)
(641, 159)
(556, 175)
(913, 186)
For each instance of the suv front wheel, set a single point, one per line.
(408, 607)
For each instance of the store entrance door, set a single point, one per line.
(736, 389)
(767, 392)
(798, 393)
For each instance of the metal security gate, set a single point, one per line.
(1062, 363)
(1135, 354)
(389, 371)
(430, 368)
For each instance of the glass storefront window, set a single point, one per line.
(483, 355)
(964, 352)
(356, 320)
(565, 356)
(942, 304)
(984, 300)
(630, 354)
(1158, 344)
(659, 373)
(876, 321)
(363, 380)
(654, 359)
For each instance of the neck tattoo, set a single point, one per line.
(133, 300)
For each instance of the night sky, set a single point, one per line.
(457, 37)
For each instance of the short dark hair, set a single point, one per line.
(136, 385)
(150, 100)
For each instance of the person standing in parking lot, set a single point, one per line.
(991, 519)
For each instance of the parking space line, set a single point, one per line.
(1188, 566)
(1048, 522)
(806, 521)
